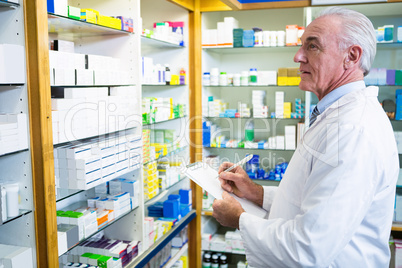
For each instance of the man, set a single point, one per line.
(335, 204)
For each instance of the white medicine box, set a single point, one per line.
(12, 62)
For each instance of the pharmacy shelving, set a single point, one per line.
(8, 4)
(121, 217)
(256, 86)
(16, 163)
(165, 121)
(158, 43)
(235, 50)
(177, 256)
(163, 193)
(147, 255)
(121, 45)
(248, 149)
(64, 26)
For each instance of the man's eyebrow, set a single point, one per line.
(313, 38)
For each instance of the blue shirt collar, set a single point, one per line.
(338, 93)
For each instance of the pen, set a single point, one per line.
(241, 162)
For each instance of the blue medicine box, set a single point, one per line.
(185, 196)
(171, 209)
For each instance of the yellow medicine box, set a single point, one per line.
(282, 76)
(287, 109)
(90, 15)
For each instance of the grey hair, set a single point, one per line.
(357, 30)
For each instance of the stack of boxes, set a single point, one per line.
(238, 37)
(230, 242)
(168, 174)
(85, 221)
(13, 133)
(299, 109)
(290, 137)
(288, 77)
(382, 76)
(78, 224)
(149, 232)
(260, 110)
(12, 69)
(279, 104)
(102, 252)
(222, 36)
(151, 182)
(72, 69)
(15, 256)
(160, 109)
(244, 110)
(146, 143)
(156, 74)
(77, 115)
(61, 7)
(216, 107)
(169, 31)
(90, 164)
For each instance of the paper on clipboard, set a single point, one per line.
(207, 178)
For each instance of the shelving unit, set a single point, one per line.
(67, 27)
(16, 163)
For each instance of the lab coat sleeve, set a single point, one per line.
(336, 196)
(269, 194)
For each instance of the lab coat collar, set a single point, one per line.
(371, 91)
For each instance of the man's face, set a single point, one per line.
(321, 61)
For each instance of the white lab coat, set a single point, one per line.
(335, 204)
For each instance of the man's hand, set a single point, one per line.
(227, 211)
(236, 181)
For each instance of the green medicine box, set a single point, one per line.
(74, 13)
(398, 77)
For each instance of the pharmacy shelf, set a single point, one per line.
(393, 45)
(14, 152)
(179, 150)
(147, 255)
(396, 226)
(22, 212)
(253, 118)
(103, 228)
(237, 148)
(8, 4)
(78, 86)
(176, 257)
(67, 27)
(235, 50)
(161, 85)
(225, 252)
(12, 85)
(158, 43)
(162, 193)
(84, 139)
(164, 121)
(258, 86)
(67, 193)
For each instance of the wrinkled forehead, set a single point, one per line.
(323, 28)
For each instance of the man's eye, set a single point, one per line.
(312, 46)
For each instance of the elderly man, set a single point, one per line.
(335, 204)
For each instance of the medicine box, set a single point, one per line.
(16, 257)
(59, 7)
(12, 64)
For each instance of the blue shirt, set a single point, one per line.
(338, 93)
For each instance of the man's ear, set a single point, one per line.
(353, 56)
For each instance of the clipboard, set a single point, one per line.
(207, 178)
